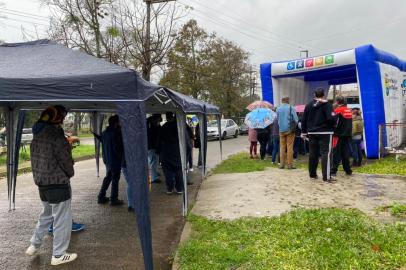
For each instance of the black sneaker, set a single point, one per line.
(314, 177)
(349, 173)
(103, 200)
(333, 174)
(157, 181)
(130, 209)
(116, 203)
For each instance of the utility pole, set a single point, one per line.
(251, 84)
(146, 69)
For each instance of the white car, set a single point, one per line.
(228, 128)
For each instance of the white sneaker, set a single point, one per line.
(191, 170)
(65, 258)
(31, 250)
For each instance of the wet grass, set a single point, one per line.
(387, 165)
(395, 209)
(242, 163)
(302, 239)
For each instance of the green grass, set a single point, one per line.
(242, 163)
(79, 152)
(302, 239)
(395, 209)
(387, 165)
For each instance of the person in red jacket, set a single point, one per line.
(342, 137)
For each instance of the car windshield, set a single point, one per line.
(214, 123)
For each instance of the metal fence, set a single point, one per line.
(392, 139)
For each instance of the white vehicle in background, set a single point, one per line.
(26, 136)
(228, 129)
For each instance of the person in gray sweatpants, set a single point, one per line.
(52, 168)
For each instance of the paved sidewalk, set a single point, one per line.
(110, 240)
(274, 191)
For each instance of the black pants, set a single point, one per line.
(320, 145)
(263, 141)
(113, 177)
(341, 153)
(173, 177)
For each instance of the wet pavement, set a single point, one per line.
(110, 240)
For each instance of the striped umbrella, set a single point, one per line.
(259, 104)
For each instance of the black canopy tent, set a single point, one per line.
(37, 74)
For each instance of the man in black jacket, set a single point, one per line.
(113, 157)
(170, 155)
(342, 137)
(318, 127)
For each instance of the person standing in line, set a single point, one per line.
(357, 133)
(342, 137)
(52, 168)
(252, 138)
(318, 128)
(170, 156)
(275, 140)
(153, 133)
(113, 154)
(263, 137)
(287, 121)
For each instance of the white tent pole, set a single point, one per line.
(11, 132)
(202, 118)
(97, 128)
(219, 129)
(181, 123)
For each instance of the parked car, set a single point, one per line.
(26, 136)
(243, 129)
(228, 128)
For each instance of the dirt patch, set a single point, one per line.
(273, 192)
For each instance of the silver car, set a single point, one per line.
(228, 129)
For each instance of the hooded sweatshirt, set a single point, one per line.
(318, 117)
(343, 117)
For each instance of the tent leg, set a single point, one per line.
(219, 129)
(134, 132)
(18, 130)
(203, 141)
(181, 123)
(11, 116)
(97, 128)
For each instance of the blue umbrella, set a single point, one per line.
(260, 118)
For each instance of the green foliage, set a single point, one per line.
(387, 165)
(242, 163)
(79, 152)
(113, 31)
(395, 209)
(210, 68)
(301, 239)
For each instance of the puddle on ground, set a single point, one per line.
(373, 189)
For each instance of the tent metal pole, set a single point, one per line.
(18, 129)
(10, 133)
(181, 124)
(97, 128)
(203, 141)
(219, 130)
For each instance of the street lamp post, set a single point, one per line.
(146, 69)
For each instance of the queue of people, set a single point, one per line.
(330, 133)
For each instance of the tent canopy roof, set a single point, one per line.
(35, 74)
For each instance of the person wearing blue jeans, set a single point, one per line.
(275, 150)
(153, 132)
(153, 165)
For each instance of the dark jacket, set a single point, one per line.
(197, 143)
(343, 116)
(153, 133)
(318, 118)
(169, 146)
(113, 149)
(51, 156)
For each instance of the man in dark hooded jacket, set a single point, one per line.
(318, 127)
(113, 158)
(170, 155)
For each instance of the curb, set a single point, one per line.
(186, 232)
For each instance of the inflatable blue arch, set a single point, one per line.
(381, 79)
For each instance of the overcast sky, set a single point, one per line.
(270, 30)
